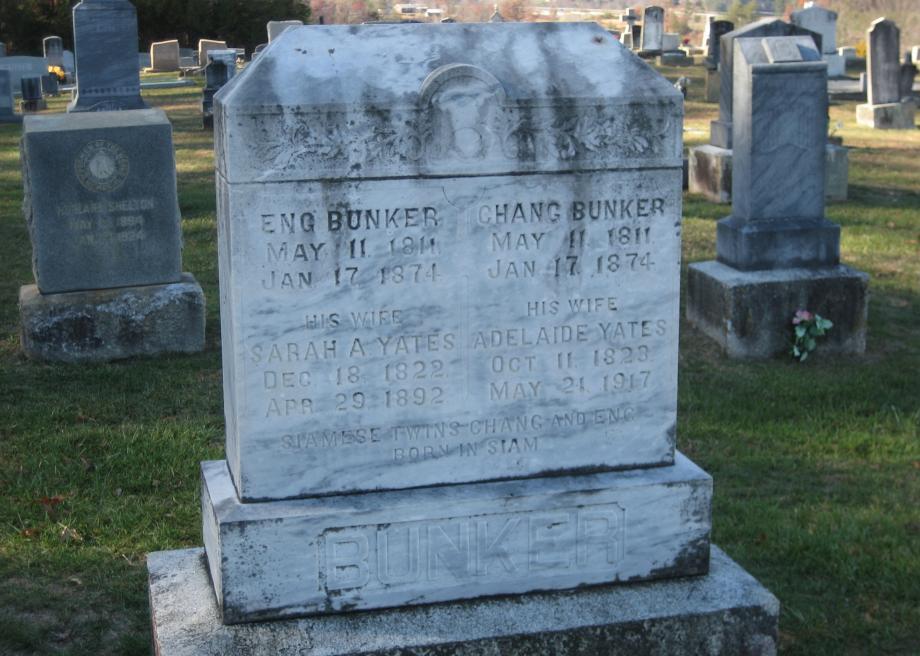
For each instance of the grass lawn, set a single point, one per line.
(816, 466)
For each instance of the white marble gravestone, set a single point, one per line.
(449, 254)
(885, 108)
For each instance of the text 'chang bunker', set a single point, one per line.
(449, 253)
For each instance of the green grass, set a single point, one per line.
(816, 466)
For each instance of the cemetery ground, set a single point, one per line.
(816, 465)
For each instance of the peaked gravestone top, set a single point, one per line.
(820, 20)
(275, 28)
(100, 200)
(53, 48)
(467, 266)
(722, 131)
(105, 41)
(883, 65)
(404, 228)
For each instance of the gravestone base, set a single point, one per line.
(724, 612)
(112, 324)
(836, 172)
(711, 173)
(674, 58)
(889, 116)
(777, 243)
(435, 544)
(713, 79)
(749, 313)
(29, 106)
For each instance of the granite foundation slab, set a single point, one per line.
(888, 116)
(749, 314)
(725, 613)
(711, 173)
(778, 243)
(112, 324)
(387, 549)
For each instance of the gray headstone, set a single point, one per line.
(820, 20)
(50, 84)
(100, 200)
(7, 111)
(164, 56)
(636, 36)
(908, 73)
(780, 133)
(465, 294)
(20, 67)
(105, 42)
(883, 67)
(220, 69)
(31, 88)
(721, 135)
(670, 41)
(69, 62)
(53, 49)
(716, 30)
(275, 28)
(204, 45)
(652, 29)
(2, 50)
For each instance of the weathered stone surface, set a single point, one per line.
(220, 69)
(109, 217)
(32, 98)
(780, 134)
(749, 313)
(275, 28)
(711, 173)
(389, 549)
(890, 116)
(836, 65)
(105, 41)
(50, 85)
(836, 173)
(164, 56)
(721, 130)
(670, 41)
(7, 111)
(112, 324)
(53, 50)
(19, 67)
(906, 79)
(439, 306)
(725, 613)
(883, 62)
(717, 29)
(652, 29)
(711, 89)
(820, 20)
(204, 45)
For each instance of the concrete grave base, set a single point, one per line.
(836, 172)
(749, 313)
(111, 324)
(713, 79)
(319, 555)
(777, 243)
(889, 116)
(726, 612)
(711, 173)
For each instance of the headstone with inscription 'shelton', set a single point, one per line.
(885, 108)
(220, 69)
(710, 165)
(449, 303)
(777, 253)
(105, 44)
(106, 242)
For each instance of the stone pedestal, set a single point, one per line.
(749, 313)
(112, 324)
(724, 612)
(836, 172)
(887, 116)
(711, 173)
